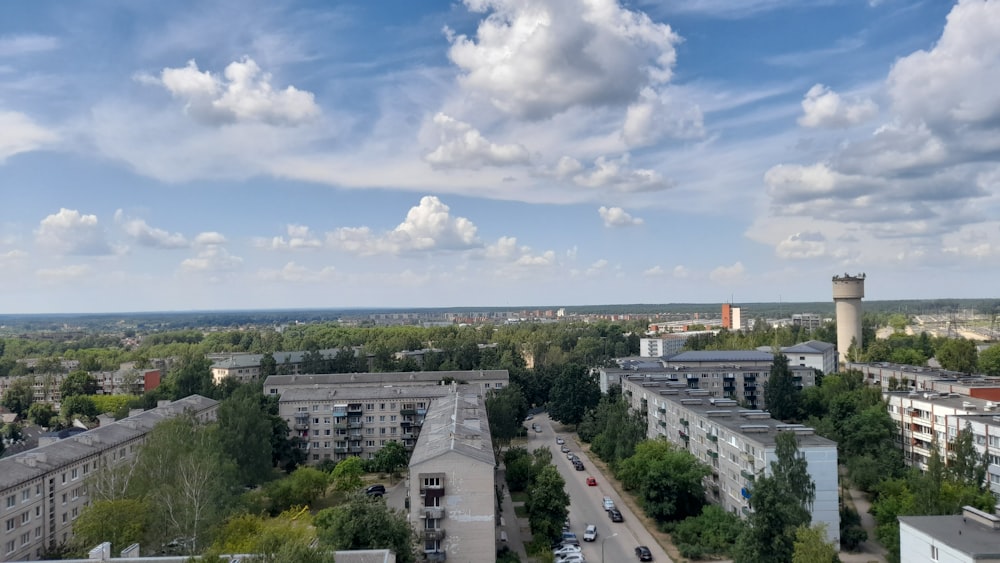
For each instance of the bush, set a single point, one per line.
(691, 551)
(714, 531)
(851, 532)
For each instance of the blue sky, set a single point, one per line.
(238, 154)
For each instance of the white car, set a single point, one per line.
(560, 441)
(567, 550)
(591, 533)
(572, 558)
(570, 456)
(608, 504)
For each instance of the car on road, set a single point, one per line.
(564, 449)
(616, 515)
(590, 534)
(566, 550)
(560, 441)
(529, 417)
(376, 490)
(570, 456)
(591, 482)
(578, 465)
(643, 553)
(608, 504)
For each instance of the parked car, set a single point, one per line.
(608, 504)
(591, 482)
(560, 441)
(564, 449)
(578, 465)
(529, 417)
(570, 456)
(566, 550)
(616, 515)
(375, 490)
(590, 534)
(643, 553)
(572, 558)
(570, 537)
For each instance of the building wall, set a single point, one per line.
(916, 546)
(465, 514)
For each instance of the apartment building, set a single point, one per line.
(45, 387)
(969, 537)
(663, 345)
(928, 420)
(808, 321)
(483, 380)
(813, 354)
(452, 480)
(44, 489)
(737, 444)
(894, 377)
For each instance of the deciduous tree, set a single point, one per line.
(391, 457)
(958, 354)
(121, 522)
(20, 395)
(667, 480)
(347, 475)
(781, 394)
(547, 503)
(574, 391)
(363, 522)
(244, 429)
(78, 382)
(811, 546)
(506, 410)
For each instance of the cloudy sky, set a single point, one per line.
(238, 154)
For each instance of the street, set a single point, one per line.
(585, 504)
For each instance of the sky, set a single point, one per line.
(191, 155)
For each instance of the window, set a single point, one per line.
(393, 430)
(369, 406)
(26, 517)
(381, 418)
(64, 498)
(38, 489)
(75, 474)
(392, 406)
(64, 475)
(64, 517)
(11, 501)
(486, 385)
(381, 406)
(10, 546)
(381, 431)
(392, 418)
(11, 524)
(76, 512)
(370, 443)
(25, 538)
(25, 495)
(432, 481)
(934, 552)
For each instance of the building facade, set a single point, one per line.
(452, 480)
(737, 444)
(813, 354)
(895, 377)
(970, 537)
(43, 490)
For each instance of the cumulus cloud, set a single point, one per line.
(152, 237)
(294, 273)
(727, 274)
(462, 146)
(69, 232)
(808, 244)
(212, 259)
(21, 134)
(243, 93)
(654, 272)
(617, 217)
(538, 59)
(597, 268)
(428, 227)
(617, 175)
(681, 272)
(299, 238)
(822, 107)
(209, 238)
(657, 115)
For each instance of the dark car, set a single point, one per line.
(578, 465)
(375, 490)
(643, 553)
(616, 515)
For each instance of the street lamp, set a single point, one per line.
(602, 544)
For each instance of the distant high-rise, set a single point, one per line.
(848, 291)
(731, 317)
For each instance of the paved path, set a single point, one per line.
(870, 550)
(511, 524)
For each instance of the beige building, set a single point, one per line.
(737, 444)
(43, 490)
(342, 414)
(452, 481)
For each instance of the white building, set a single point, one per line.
(970, 537)
(451, 488)
(737, 444)
(811, 354)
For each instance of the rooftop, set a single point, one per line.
(455, 423)
(362, 393)
(719, 356)
(809, 347)
(388, 378)
(969, 533)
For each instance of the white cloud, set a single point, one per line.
(658, 115)
(68, 232)
(545, 259)
(212, 259)
(299, 237)
(808, 244)
(209, 238)
(14, 45)
(681, 272)
(823, 107)
(243, 93)
(727, 274)
(295, 273)
(21, 134)
(64, 274)
(618, 176)
(145, 235)
(654, 272)
(537, 59)
(428, 227)
(462, 146)
(617, 217)
(597, 268)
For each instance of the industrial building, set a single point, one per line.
(44, 489)
(452, 480)
(737, 444)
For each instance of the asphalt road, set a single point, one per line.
(586, 504)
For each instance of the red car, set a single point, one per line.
(591, 481)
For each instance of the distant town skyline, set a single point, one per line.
(235, 155)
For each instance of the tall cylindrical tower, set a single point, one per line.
(847, 294)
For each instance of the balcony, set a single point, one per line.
(340, 449)
(713, 454)
(662, 410)
(436, 555)
(408, 412)
(713, 438)
(437, 490)
(409, 435)
(355, 449)
(342, 425)
(435, 534)
(435, 512)
(683, 436)
(747, 475)
(418, 423)
(684, 422)
(301, 426)
(662, 423)
(355, 409)
(354, 425)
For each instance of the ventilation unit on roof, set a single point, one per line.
(754, 428)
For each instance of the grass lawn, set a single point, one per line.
(521, 511)
(521, 496)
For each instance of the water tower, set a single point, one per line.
(848, 291)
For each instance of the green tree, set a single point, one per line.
(121, 522)
(362, 522)
(390, 458)
(244, 430)
(285, 538)
(668, 481)
(81, 405)
(518, 469)
(547, 504)
(989, 361)
(714, 531)
(506, 410)
(958, 354)
(781, 395)
(19, 395)
(965, 464)
(347, 475)
(574, 391)
(78, 382)
(41, 414)
(192, 375)
(811, 546)
(268, 365)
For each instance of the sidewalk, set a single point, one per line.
(870, 550)
(517, 531)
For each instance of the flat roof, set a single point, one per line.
(383, 378)
(936, 398)
(362, 393)
(720, 356)
(457, 423)
(959, 533)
